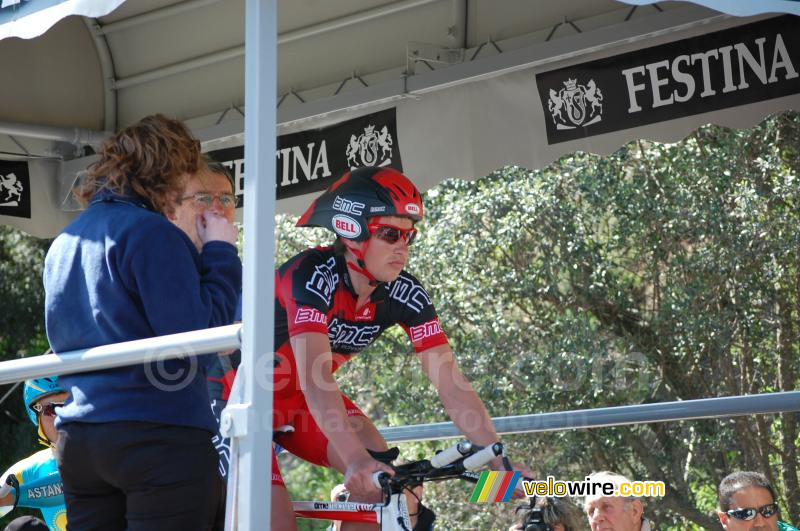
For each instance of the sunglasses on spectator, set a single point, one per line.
(207, 200)
(47, 410)
(749, 513)
(391, 234)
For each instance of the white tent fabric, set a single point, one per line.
(472, 98)
(739, 8)
(27, 19)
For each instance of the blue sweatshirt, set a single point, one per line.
(121, 272)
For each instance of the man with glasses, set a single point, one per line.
(209, 190)
(614, 513)
(42, 396)
(747, 502)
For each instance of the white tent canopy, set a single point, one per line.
(439, 88)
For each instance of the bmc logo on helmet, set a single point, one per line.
(346, 226)
(411, 208)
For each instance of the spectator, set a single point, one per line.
(548, 514)
(614, 513)
(42, 396)
(212, 190)
(134, 449)
(747, 503)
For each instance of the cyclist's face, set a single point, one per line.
(386, 260)
(187, 210)
(47, 421)
(613, 513)
(750, 497)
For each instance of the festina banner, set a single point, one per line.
(15, 189)
(747, 64)
(309, 161)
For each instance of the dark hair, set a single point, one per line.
(740, 480)
(149, 159)
(555, 511)
(215, 166)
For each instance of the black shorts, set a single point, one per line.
(138, 476)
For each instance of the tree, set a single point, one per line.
(660, 273)
(22, 334)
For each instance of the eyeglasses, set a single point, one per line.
(47, 410)
(207, 200)
(391, 234)
(749, 513)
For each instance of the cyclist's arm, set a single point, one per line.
(314, 365)
(462, 403)
(6, 492)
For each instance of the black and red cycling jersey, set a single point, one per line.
(314, 293)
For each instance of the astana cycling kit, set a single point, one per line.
(40, 488)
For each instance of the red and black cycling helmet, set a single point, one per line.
(359, 195)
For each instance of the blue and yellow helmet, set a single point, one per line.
(35, 390)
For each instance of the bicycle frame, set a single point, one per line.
(457, 462)
(392, 516)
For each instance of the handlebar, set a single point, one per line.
(380, 479)
(481, 458)
(457, 461)
(452, 454)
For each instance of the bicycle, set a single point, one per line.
(459, 461)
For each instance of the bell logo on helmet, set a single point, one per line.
(413, 209)
(346, 226)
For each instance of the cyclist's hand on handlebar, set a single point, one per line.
(358, 476)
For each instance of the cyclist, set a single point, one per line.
(41, 397)
(331, 303)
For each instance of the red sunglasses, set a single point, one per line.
(47, 410)
(391, 234)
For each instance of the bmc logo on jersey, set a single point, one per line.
(346, 226)
(412, 209)
(425, 330)
(310, 315)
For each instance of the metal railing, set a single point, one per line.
(228, 337)
(152, 349)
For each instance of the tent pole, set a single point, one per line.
(251, 420)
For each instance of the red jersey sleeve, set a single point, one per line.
(415, 312)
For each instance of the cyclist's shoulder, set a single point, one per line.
(407, 286)
(310, 257)
(319, 267)
(41, 463)
(783, 526)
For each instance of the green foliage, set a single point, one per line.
(659, 273)
(21, 334)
